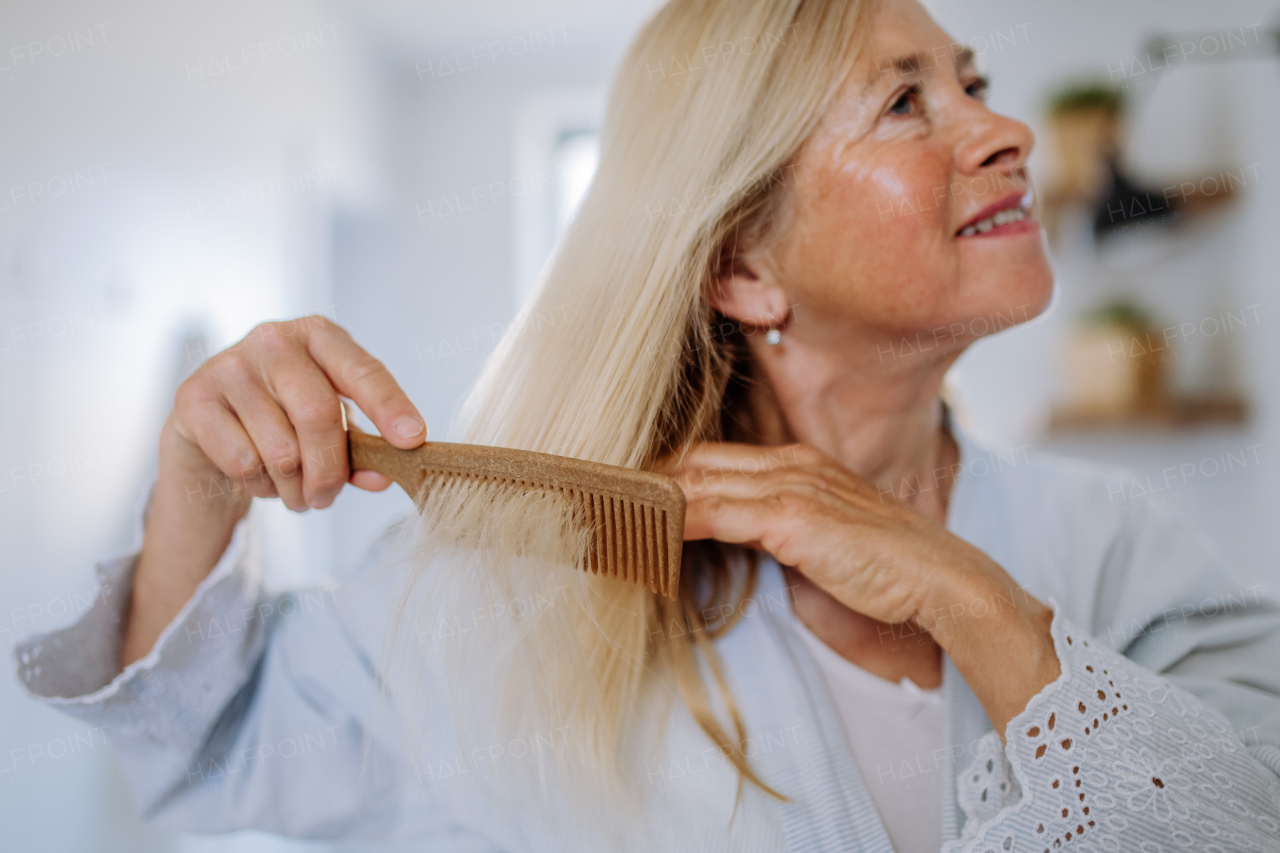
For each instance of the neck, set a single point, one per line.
(881, 419)
(884, 421)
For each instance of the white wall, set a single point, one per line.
(184, 228)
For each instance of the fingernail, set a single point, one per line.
(409, 427)
(322, 503)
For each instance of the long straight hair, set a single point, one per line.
(621, 359)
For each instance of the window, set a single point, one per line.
(574, 164)
(556, 148)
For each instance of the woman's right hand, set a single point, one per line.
(263, 418)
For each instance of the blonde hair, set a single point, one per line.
(618, 359)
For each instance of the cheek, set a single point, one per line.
(879, 242)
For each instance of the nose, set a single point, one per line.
(993, 143)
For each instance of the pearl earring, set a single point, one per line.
(773, 335)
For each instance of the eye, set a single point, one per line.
(905, 102)
(979, 88)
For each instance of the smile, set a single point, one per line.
(1012, 210)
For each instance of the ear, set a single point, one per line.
(750, 294)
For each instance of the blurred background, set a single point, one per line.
(173, 173)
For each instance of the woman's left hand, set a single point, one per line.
(876, 556)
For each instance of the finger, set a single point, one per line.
(223, 439)
(727, 482)
(747, 458)
(734, 520)
(713, 462)
(360, 376)
(314, 410)
(273, 436)
(370, 481)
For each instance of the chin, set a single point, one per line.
(1019, 280)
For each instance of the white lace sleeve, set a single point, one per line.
(1113, 757)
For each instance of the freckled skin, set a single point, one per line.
(854, 252)
(866, 254)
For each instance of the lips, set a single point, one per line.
(1011, 210)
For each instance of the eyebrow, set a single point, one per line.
(915, 63)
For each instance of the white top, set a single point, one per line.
(898, 736)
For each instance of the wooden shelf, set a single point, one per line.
(1186, 413)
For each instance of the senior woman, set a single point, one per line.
(915, 644)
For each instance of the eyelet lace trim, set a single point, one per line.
(1113, 757)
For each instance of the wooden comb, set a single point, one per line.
(637, 516)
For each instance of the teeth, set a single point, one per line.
(1003, 217)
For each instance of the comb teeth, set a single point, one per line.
(636, 518)
(629, 540)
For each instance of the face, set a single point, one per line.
(909, 209)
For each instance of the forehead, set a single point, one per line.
(906, 40)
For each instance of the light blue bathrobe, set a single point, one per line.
(257, 712)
